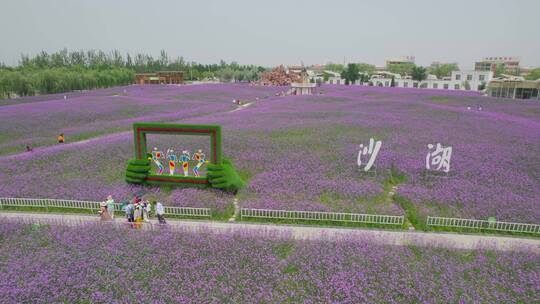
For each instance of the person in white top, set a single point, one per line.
(146, 210)
(160, 212)
(110, 206)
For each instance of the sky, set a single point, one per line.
(270, 33)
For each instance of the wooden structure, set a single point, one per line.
(278, 77)
(161, 77)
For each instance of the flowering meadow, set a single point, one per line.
(102, 264)
(297, 152)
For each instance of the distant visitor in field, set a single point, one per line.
(61, 138)
(29, 148)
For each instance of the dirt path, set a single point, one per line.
(386, 237)
(241, 107)
(64, 147)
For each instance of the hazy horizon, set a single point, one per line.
(270, 33)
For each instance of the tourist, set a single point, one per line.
(29, 148)
(138, 216)
(110, 206)
(130, 211)
(148, 210)
(160, 212)
(61, 138)
(103, 212)
(145, 210)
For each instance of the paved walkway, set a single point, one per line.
(387, 237)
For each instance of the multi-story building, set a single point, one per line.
(510, 64)
(459, 80)
(470, 80)
(400, 60)
(161, 77)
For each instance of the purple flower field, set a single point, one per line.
(298, 152)
(101, 264)
(37, 120)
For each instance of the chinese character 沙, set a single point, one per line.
(372, 150)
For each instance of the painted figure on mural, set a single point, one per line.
(156, 156)
(184, 159)
(199, 157)
(171, 157)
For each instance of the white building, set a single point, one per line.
(470, 80)
(334, 78)
(384, 79)
(315, 77)
(459, 80)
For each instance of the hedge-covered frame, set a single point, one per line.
(140, 129)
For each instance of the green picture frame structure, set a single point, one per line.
(141, 129)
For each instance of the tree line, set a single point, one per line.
(354, 71)
(65, 71)
(438, 69)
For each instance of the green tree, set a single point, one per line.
(225, 74)
(442, 69)
(418, 73)
(326, 76)
(365, 68)
(364, 77)
(499, 70)
(482, 86)
(64, 71)
(401, 68)
(351, 74)
(334, 67)
(533, 74)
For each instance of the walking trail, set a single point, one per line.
(384, 237)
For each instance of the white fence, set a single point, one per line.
(72, 204)
(323, 216)
(435, 221)
(290, 215)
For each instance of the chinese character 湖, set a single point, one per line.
(439, 159)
